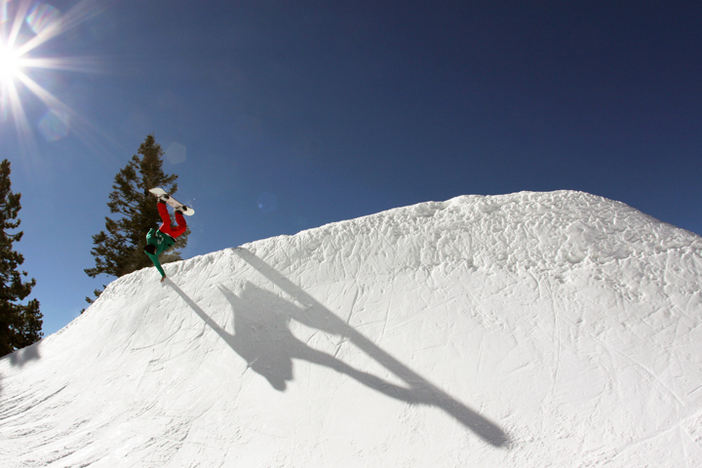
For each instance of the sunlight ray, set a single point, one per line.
(19, 116)
(63, 114)
(17, 22)
(79, 64)
(46, 97)
(52, 25)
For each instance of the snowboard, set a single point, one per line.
(158, 191)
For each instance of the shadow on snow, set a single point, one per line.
(22, 356)
(263, 338)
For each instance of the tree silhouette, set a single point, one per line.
(20, 324)
(118, 250)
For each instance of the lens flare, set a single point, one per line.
(43, 17)
(54, 125)
(176, 153)
(267, 202)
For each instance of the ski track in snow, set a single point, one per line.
(523, 330)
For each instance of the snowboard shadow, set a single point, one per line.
(263, 337)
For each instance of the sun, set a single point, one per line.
(25, 25)
(10, 63)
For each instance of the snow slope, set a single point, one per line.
(525, 330)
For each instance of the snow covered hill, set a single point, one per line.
(526, 330)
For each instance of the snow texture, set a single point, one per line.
(524, 330)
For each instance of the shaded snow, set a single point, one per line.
(523, 330)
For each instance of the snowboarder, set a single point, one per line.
(159, 240)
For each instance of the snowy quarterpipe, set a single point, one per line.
(523, 330)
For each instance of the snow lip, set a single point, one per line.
(486, 203)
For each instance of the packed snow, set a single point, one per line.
(525, 330)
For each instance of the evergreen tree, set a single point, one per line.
(119, 249)
(20, 325)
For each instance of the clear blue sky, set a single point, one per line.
(284, 115)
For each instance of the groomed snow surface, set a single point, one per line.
(527, 330)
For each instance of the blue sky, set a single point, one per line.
(283, 115)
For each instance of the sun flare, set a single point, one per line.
(10, 63)
(25, 25)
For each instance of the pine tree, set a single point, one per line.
(20, 325)
(119, 250)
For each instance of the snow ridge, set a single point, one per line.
(525, 330)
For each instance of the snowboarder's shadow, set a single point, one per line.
(314, 314)
(262, 336)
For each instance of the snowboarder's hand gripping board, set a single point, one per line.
(159, 193)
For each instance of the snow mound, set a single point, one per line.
(523, 330)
